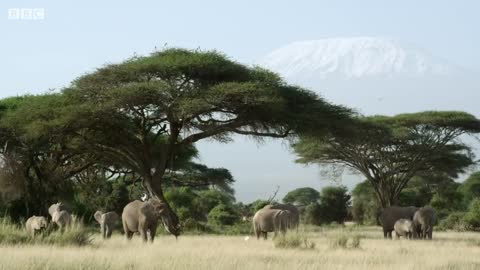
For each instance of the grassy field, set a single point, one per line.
(448, 250)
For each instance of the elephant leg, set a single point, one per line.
(102, 230)
(385, 233)
(129, 235)
(143, 232)
(109, 232)
(265, 235)
(153, 231)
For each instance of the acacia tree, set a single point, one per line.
(140, 113)
(302, 196)
(41, 149)
(389, 151)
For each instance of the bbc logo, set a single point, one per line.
(26, 14)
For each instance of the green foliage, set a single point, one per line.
(332, 207)
(364, 205)
(223, 215)
(334, 203)
(454, 221)
(312, 214)
(472, 217)
(302, 196)
(189, 203)
(100, 194)
(470, 188)
(208, 199)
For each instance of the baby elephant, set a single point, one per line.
(60, 216)
(404, 227)
(35, 224)
(107, 222)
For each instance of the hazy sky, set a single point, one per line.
(74, 38)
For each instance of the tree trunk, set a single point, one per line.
(153, 184)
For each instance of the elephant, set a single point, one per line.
(271, 220)
(294, 213)
(143, 217)
(59, 215)
(35, 224)
(423, 220)
(404, 227)
(107, 222)
(393, 213)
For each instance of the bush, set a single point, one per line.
(222, 215)
(472, 217)
(454, 221)
(341, 240)
(334, 202)
(293, 240)
(312, 214)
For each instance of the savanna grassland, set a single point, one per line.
(448, 250)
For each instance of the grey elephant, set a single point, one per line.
(143, 217)
(107, 222)
(36, 224)
(59, 215)
(404, 227)
(393, 213)
(423, 220)
(271, 220)
(294, 213)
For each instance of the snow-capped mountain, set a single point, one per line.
(357, 57)
(376, 75)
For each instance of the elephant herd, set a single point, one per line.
(142, 217)
(409, 222)
(138, 217)
(59, 216)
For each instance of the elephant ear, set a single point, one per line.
(98, 216)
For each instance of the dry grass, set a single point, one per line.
(449, 250)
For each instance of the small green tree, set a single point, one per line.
(364, 208)
(334, 203)
(223, 215)
(470, 188)
(302, 196)
(312, 214)
(472, 217)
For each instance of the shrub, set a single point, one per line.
(356, 241)
(334, 202)
(472, 217)
(341, 240)
(454, 221)
(312, 214)
(222, 215)
(293, 240)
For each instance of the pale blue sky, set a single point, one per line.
(75, 38)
